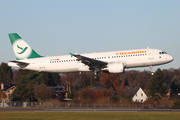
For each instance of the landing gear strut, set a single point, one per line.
(152, 73)
(96, 71)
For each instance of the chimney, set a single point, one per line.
(2, 86)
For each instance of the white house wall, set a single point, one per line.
(140, 96)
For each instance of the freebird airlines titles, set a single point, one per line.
(113, 62)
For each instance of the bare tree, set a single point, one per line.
(42, 92)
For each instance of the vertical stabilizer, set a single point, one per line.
(21, 49)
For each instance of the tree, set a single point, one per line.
(91, 84)
(68, 80)
(93, 95)
(112, 82)
(42, 92)
(175, 86)
(15, 76)
(27, 80)
(78, 84)
(126, 83)
(134, 84)
(5, 74)
(158, 85)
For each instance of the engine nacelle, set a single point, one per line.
(115, 68)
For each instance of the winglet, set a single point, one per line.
(71, 54)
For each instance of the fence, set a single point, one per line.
(84, 105)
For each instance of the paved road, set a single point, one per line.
(81, 110)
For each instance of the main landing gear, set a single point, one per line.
(96, 77)
(96, 71)
(152, 73)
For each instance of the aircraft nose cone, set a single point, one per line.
(171, 58)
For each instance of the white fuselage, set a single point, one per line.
(66, 63)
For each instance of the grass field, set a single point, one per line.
(89, 116)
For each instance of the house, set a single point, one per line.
(8, 90)
(135, 93)
(60, 92)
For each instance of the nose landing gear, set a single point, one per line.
(152, 73)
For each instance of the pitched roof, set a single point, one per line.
(131, 91)
(8, 87)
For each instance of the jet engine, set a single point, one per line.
(115, 68)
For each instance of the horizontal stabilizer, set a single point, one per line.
(20, 64)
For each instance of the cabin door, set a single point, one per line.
(150, 54)
(41, 64)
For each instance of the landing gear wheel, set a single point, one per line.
(152, 73)
(96, 77)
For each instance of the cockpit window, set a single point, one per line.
(162, 52)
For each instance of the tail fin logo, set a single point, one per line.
(23, 50)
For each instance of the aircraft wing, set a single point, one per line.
(20, 64)
(92, 63)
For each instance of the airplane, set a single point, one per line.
(114, 62)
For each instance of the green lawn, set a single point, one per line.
(89, 116)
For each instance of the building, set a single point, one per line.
(60, 92)
(8, 90)
(135, 93)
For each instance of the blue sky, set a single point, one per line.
(57, 27)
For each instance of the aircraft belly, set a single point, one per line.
(144, 63)
(62, 67)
